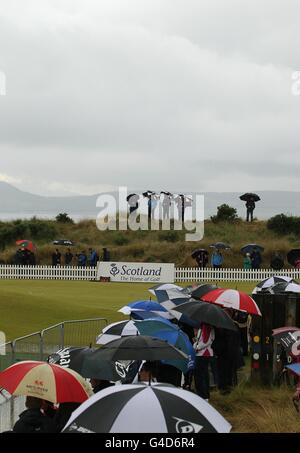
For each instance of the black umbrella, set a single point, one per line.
(166, 193)
(74, 358)
(287, 336)
(198, 252)
(249, 248)
(133, 197)
(293, 256)
(148, 194)
(220, 245)
(203, 312)
(197, 293)
(65, 242)
(71, 357)
(134, 348)
(249, 196)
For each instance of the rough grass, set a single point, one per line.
(159, 246)
(251, 409)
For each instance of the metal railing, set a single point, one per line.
(38, 346)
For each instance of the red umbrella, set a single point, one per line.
(231, 298)
(45, 381)
(25, 244)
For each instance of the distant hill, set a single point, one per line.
(15, 203)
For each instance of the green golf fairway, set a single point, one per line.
(28, 306)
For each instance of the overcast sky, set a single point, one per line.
(180, 95)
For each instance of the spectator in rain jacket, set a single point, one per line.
(33, 420)
(82, 259)
(247, 262)
(217, 259)
(256, 259)
(93, 258)
(204, 352)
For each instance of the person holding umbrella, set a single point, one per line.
(33, 420)
(256, 258)
(217, 259)
(204, 352)
(247, 261)
(250, 199)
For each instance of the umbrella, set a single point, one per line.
(74, 357)
(289, 338)
(198, 252)
(135, 308)
(293, 256)
(137, 347)
(231, 298)
(25, 244)
(166, 193)
(170, 298)
(171, 333)
(142, 408)
(202, 312)
(294, 368)
(64, 242)
(249, 248)
(71, 357)
(271, 281)
(117, 330)
(148, 194)
(133, 198)
(163, 287)
(198, 292)
(220, 245)
(249, 196)
(46, 381)
(283, 287)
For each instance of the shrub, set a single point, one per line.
(63, 218)
(120, 239)
(283, 224)
(225, 213)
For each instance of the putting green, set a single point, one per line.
(28, 306)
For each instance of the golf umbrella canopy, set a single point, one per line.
(45, 381)
(140, 306)
(201, 290)
(25, 244)
(220, 246)
(283, 287)
(71, 357)
(163, 287)
(171, 333)
(146, 409)
(249, 248)
(294, 368)
(289, 338)
(198, 252)
(231, 298)
(170, 298)
(64, 242)
(271, 281)
(250, 196)
(138, 347)
(293, 256)
(117, 330)
(202, 312)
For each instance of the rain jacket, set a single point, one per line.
(34, 421)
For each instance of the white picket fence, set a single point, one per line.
(191, 274)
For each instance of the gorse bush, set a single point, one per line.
(225, 213)
(284, 225)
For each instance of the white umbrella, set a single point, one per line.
(146, 409)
